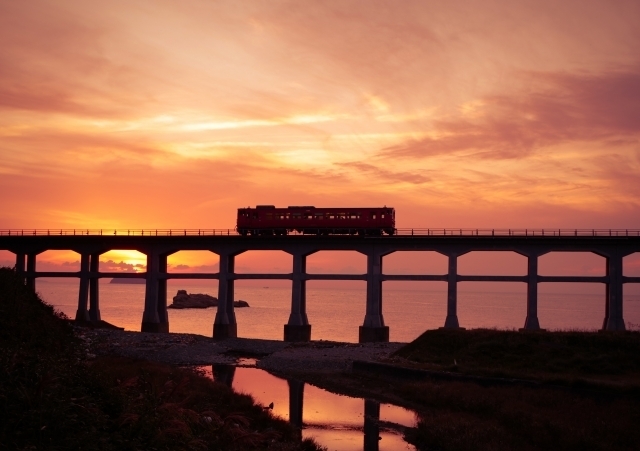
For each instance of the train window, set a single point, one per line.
(318, 216)
(373, 216)
(331, 217)
(296, 215)
(382, 216)
(268, 216)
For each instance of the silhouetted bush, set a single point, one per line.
(53, 398)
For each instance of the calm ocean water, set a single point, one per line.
(334, 421)
(336, 313)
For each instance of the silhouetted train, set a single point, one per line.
(269, 220)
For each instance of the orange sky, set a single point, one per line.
(156, 114)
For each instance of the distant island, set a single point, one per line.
(128, 281)
(197, 300)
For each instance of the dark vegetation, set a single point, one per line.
(586, 398)
(52, 397)
(580, 358)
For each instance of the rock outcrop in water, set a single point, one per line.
(128, 281)
(198, 300)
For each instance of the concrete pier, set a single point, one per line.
(374, 329)
(82, 314)
(30, 280)
(94, 291)
(163, 314)
(451, 321)
(151, 317)
(224, 325)
(298, 327)
(20, 265)
(531, 321)
(613, 320)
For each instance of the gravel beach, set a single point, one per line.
(271, 355)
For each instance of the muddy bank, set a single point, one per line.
(272, 355)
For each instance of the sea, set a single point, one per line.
(335, 312)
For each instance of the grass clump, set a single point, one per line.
(588, 397)
(467, 416)
(556, 356)
(52, 397)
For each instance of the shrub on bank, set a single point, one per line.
(555, 356)
(52, 397)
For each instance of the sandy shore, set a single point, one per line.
(189, 349)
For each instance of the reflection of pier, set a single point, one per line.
(224, 373)
(613, 247)
(296, 399)
(371, 424)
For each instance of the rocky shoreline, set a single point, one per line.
(271, 355)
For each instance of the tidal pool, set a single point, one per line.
(340, 423)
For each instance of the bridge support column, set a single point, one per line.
(298, 327)
(20, 265)
(296, 398)
(531, 322)
(82, 314)
(613, 319)
(225, 326)
(373, 329)
(94, 289)
(163, 313)
(371, 425)
(31, 269)
(451, 322)
(155, 318)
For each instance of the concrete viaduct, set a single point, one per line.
(613, 246)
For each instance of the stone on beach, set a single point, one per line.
(198, 300)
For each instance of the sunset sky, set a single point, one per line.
(158, 114)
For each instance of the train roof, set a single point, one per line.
(311, 207)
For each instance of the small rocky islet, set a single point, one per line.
(184, 300)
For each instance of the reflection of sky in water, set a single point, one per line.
(335, 421)
(352, 440)
(397, 415)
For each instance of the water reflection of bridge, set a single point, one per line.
(613, 246)
(372, 424)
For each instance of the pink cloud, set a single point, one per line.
(111, 266)
(570, 108)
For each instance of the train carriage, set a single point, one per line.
(268, 220)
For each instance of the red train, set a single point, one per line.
(269, 220)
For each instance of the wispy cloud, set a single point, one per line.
(565, 108)
(386, 175)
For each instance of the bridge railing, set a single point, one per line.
(119, 232)
(519, 232)
(400, 232)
